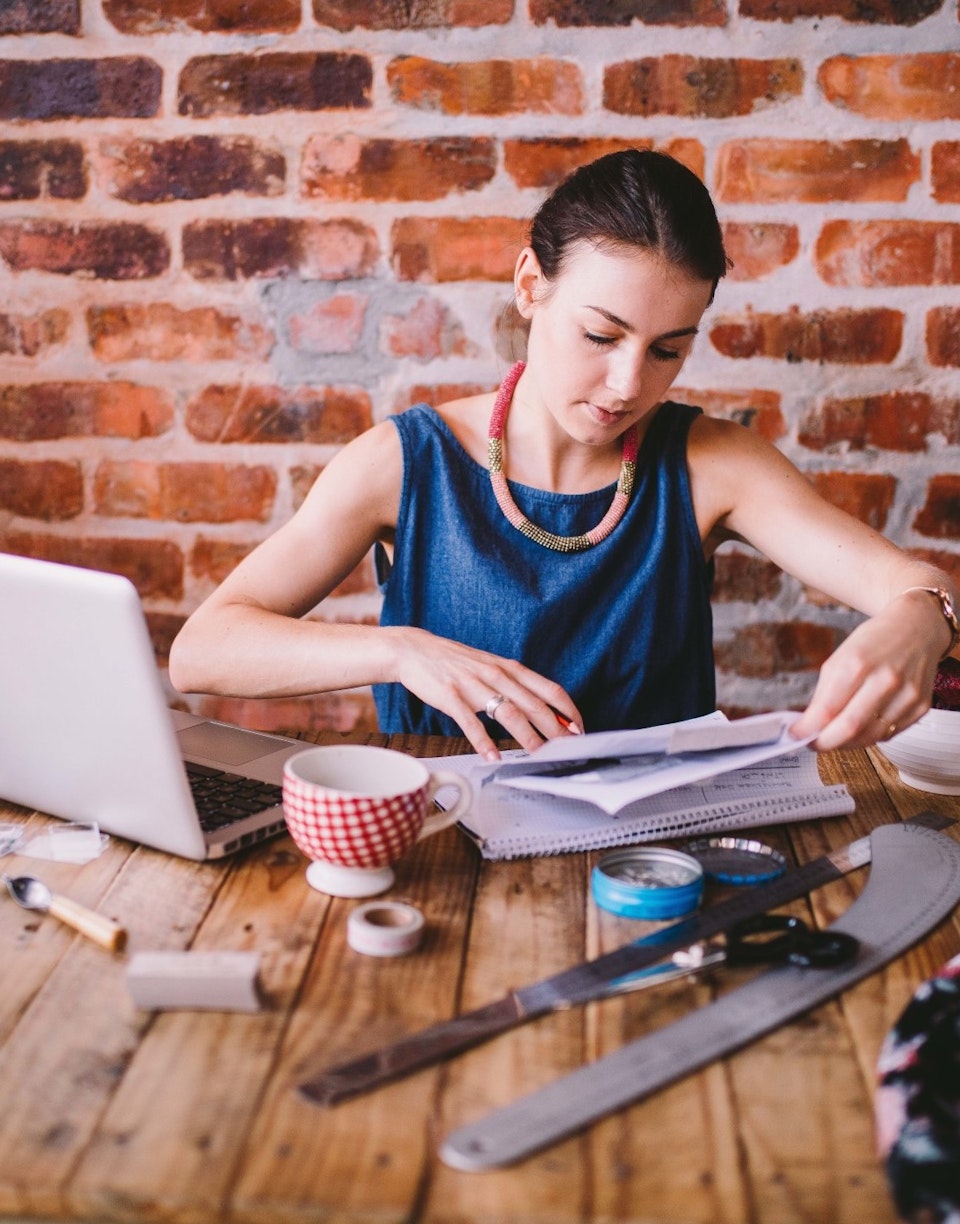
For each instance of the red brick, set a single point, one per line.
(754, 409)
(894, 87)
(42, 169)
(252, 413)
(334, 325)
(442, 249)
(427, 331)
(28, 335)
(893, 420)
(348, 711)
(184, 492)
(543, 163)
(279, 246)
(741, 577)
(302, 479)
(225, 16)
(192, 168)
(438, 393)
(883, 12)
(854, 337)
(945, 171)
(36, 411)
(352, 168)
(48, 489)
(763, 651)
(815, 171)
(40, 17)
(275, 81)
(488, 87)
(939, 516)
(127, 87)
(943, 336)
(624, 12)
(163, 627)
(699, 88)
(155, 567)
(213, 559)
(109, 250)
(889, 253)
(757, 248)
(389, 15)
(160, 332)
(867, 496)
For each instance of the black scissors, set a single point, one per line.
(764, 939)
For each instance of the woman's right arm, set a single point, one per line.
(249, 637)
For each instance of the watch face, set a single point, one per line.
(737, 860)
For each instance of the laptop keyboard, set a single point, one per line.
(222, 798)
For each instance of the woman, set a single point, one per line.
(523, 592)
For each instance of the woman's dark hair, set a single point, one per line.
(634, 198)
(637, 198)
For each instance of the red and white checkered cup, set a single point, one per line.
(354, 810)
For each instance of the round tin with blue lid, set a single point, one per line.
(737, 860)
(647, 882)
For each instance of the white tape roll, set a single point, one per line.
(384, 928)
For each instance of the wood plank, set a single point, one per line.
(673, 1157)
(528, 922)
(363, 1159)
(73, 1042)
(173, 1132)
(34, 944)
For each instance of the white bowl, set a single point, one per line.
(927, 754)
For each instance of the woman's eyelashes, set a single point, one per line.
(657, 351)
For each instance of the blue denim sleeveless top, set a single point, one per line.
(625, 626)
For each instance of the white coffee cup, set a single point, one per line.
(354, 810)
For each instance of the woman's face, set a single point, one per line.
(608, 336)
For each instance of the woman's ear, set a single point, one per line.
(527, 281)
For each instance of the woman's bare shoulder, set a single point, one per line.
(467, 418)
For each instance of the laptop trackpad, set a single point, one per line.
(228, 745)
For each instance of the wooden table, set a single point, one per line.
(109, 1113)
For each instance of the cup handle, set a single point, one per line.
(436, 821)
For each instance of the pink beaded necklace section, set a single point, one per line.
(512, 512)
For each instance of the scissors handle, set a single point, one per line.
(779, 938)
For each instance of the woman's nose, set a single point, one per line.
(625, 376)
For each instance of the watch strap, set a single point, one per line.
(947, 610)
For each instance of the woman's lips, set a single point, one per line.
(604, 416)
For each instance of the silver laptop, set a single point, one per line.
(86, 734)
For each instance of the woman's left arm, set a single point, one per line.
(880, 679)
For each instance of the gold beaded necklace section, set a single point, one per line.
(512, 512)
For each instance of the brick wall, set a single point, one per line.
(235, 232)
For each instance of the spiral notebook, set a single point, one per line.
(506, 823)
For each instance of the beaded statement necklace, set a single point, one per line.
(512, 512)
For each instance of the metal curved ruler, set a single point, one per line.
(914, 882)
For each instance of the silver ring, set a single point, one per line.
(494, 704)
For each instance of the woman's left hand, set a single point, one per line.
(879, 680)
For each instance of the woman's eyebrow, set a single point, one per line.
(625, 326)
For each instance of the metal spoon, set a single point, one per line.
(33, 894)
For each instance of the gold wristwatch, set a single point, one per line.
(943, 597)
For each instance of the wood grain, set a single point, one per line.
(111, 1114)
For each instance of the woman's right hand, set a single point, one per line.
(460, 681)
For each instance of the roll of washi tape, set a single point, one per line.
(384, 928)
(737, 860)
(647, 882)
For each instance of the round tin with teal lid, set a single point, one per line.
(737, 860)
(647, 882)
